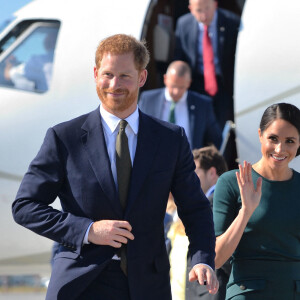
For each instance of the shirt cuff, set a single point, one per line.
(86, 237)
(204, 265)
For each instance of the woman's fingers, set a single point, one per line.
(245, 171)
(241, 174)
(245, 174)
(238, 178)
(258, 185)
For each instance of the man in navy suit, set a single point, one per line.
(109, 250)
(192, 111)
(222, 27)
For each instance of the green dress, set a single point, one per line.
(266, 263)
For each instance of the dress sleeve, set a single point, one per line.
(226, 202)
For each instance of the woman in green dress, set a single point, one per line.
(257, 214)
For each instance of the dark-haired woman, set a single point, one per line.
(257, 214)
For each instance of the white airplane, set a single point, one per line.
(65, 34)
(266, 68)
(29, 108)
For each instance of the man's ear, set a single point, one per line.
(165, 79)
(143, 77)
(212, 171)
(189, 84)
(95, 73)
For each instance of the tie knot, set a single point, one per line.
(123, 124)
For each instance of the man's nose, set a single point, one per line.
(203, 17)
(114, 82)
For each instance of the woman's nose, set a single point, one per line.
(278, 148)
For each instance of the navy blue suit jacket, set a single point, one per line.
(73, 164)
(203, 124)
(186, 45)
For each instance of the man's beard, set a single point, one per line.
(120, 104)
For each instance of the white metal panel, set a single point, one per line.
(267, 68)
(25, 116)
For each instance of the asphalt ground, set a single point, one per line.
(24, 296)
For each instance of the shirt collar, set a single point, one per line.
(169, 98)
(112, 121)
(210, 191)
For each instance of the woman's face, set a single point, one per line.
(279, 144)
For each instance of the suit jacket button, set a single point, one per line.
(242, 287)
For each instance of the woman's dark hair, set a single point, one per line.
(284, 111)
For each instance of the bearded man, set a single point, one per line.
(113, 170)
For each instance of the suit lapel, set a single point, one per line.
(95, 145)
(221, 35)
(147, 144)
(194, 41)
(160, 107)
(192, 116)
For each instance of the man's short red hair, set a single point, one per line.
(122, 44)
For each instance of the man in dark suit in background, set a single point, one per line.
(210, 165)
(206, 40)
(113, 170)
(188, 109)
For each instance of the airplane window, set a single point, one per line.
(4, 23)
(27, 56)
(16, 32)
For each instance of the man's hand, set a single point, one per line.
(110, 232)
(205, 275)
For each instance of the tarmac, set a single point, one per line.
(20, 296)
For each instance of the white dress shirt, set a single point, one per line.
(210, 191)
(181, 112)
(110, 124)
